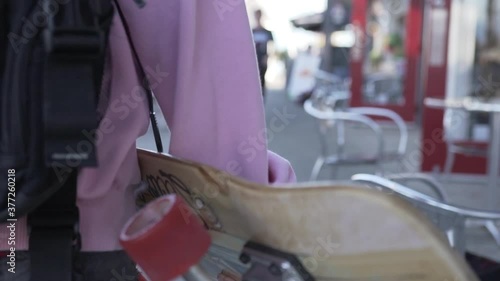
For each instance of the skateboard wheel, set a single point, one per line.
(165, 238)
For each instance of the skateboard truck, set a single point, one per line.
(167, 240)
(272, 265)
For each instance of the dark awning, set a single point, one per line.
(312, 22)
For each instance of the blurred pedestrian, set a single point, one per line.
(261, 37)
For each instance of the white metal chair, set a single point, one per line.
(331, 117)
(451, 219)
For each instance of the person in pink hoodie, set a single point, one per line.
(199, 56)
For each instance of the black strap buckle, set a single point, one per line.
(85, 44)
(74, 32)
(73, 47)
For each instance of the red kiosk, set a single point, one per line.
(385, 59)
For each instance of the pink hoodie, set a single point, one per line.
(200, 59)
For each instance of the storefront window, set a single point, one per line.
(486, 75)
(384, 65)
(474, 63)
(486, 69)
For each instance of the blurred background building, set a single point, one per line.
(396, 53)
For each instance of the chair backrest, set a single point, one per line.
(323, 76)
(449, 218)
(331, 90)
(328, 114)
(391, 115)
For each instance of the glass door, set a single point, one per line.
(384, 66)
(385, 61)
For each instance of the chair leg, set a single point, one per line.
(493, 229)
(379, 169)
(400, 167)
(340, 137)
(448, 166)
(317, 168)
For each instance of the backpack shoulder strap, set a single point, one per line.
(74, 42)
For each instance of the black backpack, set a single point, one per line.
(51, 63)
(52, 55)
(51, 68)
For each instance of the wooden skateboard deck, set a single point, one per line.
(338, 232)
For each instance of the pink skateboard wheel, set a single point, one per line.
(165, 238)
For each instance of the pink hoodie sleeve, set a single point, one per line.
(211, 97)
(218, 115)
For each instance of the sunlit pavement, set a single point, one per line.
(293, 134)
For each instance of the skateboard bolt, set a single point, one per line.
(244, 258)
(275, 270)
(199, 203)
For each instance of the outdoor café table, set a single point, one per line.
(493, 166)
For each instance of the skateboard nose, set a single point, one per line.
(165, 238)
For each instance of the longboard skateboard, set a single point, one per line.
(338, 232)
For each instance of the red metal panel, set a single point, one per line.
(413, 53)
(359, 8)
